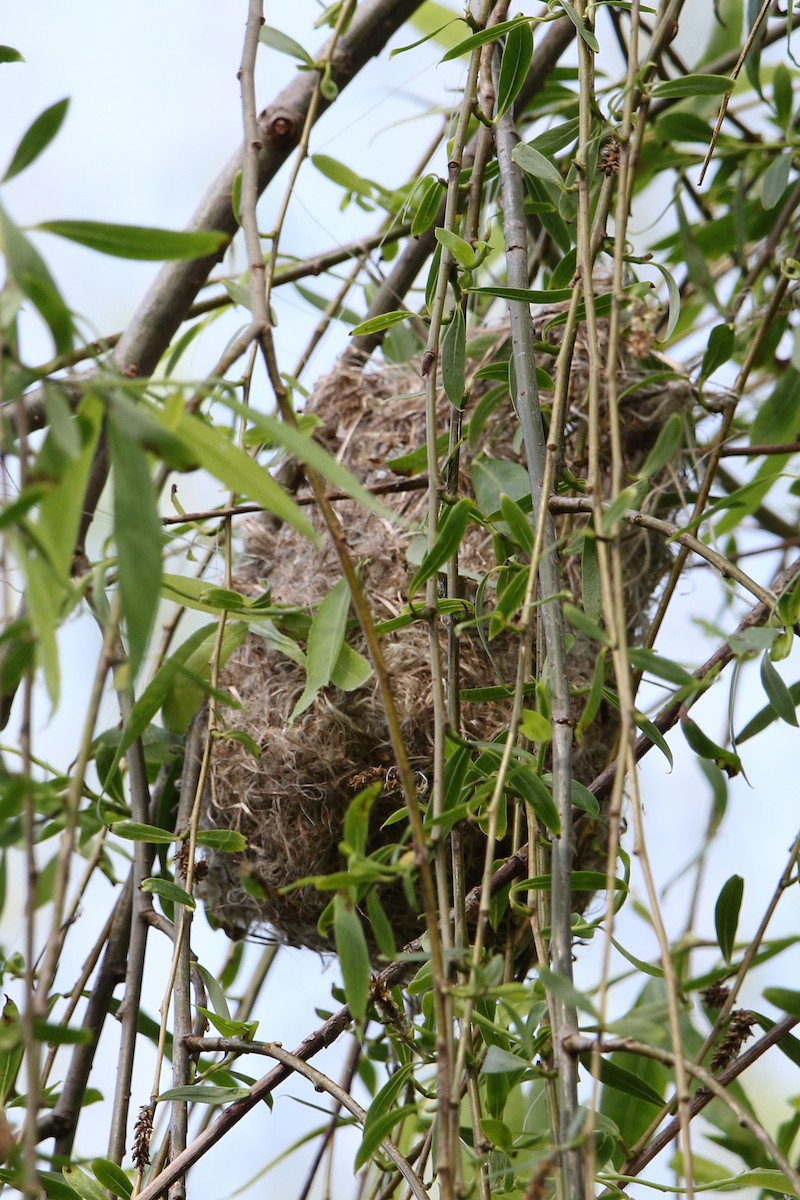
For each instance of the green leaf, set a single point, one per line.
(462, 251)
(225, 841)
(216, 992)
(277, 40)
(783, 93)
(535, 727)
(381, 322)
(481, 38)
(683, 127)
(454, 344)
(427, 206)
(693, 85)
(351, 669)
(668, 443)
(139, 538)
(663, 668)
(338, 173)
(534, 163)
(674, 293)
(383, 1104)
(720, 348)
(526, 295)
(8, 55)
(518, 523)
(325, 641)
(778, 693)
(27, 269)
(531, 788)
(726, 914)
(11, 1049)
(629, 498)
(502, 1062)
(203, 1093)
(778, 417)
(785, 999)
(514, 65)
(167, 890)
(37, 137)
(135, 831)
(83, 1184)
(61, 1035)
(238, 471)
(448, 539)
(766, 716)
(612, 1075)
(566, 991)
(189, 685)
(579, 620)
(726, 760)
(351, 949)
(138, 241)
(776, 180)
(583, 32)
(112, 1177)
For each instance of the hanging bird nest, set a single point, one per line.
(290, 801)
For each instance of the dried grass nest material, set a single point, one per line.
(290, 802)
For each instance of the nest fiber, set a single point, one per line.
(290, 801)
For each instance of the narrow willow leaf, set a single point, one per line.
(518, 523)
(481, 38)
(776, 180)
(325, 641)
(591, 590)
(527, 295)
(577, 21)
(785, 999)
(61, 1035)
(8, 55)
(534, 163)
(777, 691)
(662, 668)
(277, 40)
(226, 462)
(783, 93)
(693, 85)
(720, 348)
(351, 669)
(580, 620)
(138, 241)
(514, 65)
(683, 127)
(502, 1062)
(381, 322)
(11, 1050)
(668, 443)
(338, 173)
(353, 955)
(27, 269)
(726, 914)
(766, 716)
(167, 890)
(190, 684)
(454, 345)
(204, 1093)
(566, 991)
(778, 417)
(44, 595)
(427, 206)
(535, 727)
(629, 498)
(384, 1103)
(37, 137)
(702, 744)
(461, 250)
(139, 538)
(225, 841)
(83, 1185)
(674, 293)
(136, 831)
(448, 539)
(612, 1075)
(531, 788)
(112, 1177)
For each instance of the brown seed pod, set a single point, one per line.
(290, 802)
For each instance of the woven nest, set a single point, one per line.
(290, 802)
